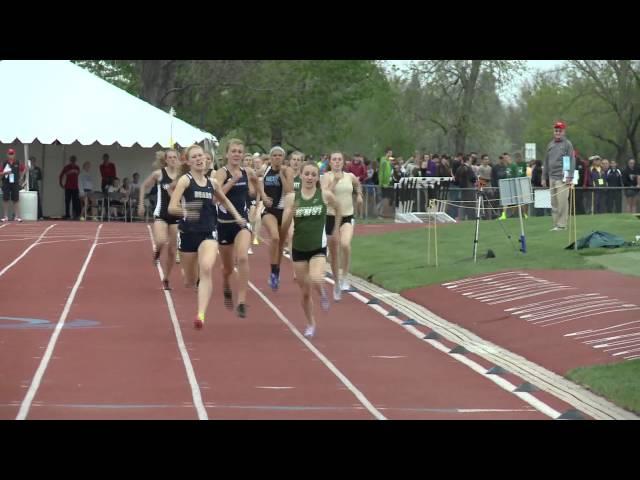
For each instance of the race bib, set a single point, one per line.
(600, 181)
(566, 163)
(12, 178)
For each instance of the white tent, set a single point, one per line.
(61, 109)
(57, 100)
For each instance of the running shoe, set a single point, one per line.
(274, 281)
(310, 331)
(337, 293)
(165, 285)
(344, 286)
(198, 324)
(242, 310)
(255, 241)
(18, 219)
(177, 257)
(228, 298)
(156, 256)
(250, 252)
(5, 219)
(503, 216)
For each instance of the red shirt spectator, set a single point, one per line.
(358, 168)
(107, 170)
(70, 172)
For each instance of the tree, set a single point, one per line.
(456, 82)
(617, 84)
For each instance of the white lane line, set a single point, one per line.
(553, 306)
(591, 315)
(605, 333)
(606, 339)
(276, 388)
(28, 249)
(191, 375)
(501, 382)
(37, 378)
(556, 312)
(481, 279)
(584, 332)
(5, 225)
(543, 302)
(625, 352)
(388, 357)
(352, 388)
(511, 299)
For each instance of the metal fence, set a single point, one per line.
(461, 203)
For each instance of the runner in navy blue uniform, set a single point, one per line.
(234, 241)
(198, 236)
(165, 228)
(277, 181)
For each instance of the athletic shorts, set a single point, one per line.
(11, 192)
(331, 221)
(276, 212)
(298, 256)
(168, 219)
(227, 232)
(190, 241)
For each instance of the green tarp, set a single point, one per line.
(599, 239)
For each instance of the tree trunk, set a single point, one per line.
(157, 78)
(469, 88)
(276, 135)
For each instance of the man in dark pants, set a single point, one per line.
(70, 172)
(614, 197)
(35, 183)
(12, 178)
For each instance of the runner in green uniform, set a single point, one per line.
(308, 209)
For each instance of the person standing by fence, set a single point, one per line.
(559, 165)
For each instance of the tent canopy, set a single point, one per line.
(57, 100)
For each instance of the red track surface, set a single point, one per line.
(545, 345)
(128, 364)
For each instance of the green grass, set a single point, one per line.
(398, 261)
(618, 382)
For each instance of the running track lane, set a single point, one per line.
(34, 292)
(402, 376)
(255, 368)
(128, 365)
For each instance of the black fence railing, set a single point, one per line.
(415, 194)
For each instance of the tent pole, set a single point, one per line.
(27, 165)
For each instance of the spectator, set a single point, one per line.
(35, 182)
(484, 171)
(323, 164)
(12, 178)
(114, 187)
(559, 156)
(466, 180)
(605, 165)
(134, 192)
(85, 187)
(631, 180)
(358, 168)
(384, 180)
(584, 181)
(599, 183)
(70, 172)
(614, 182)
(500, 171)
(536, 182)
(108, 172)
